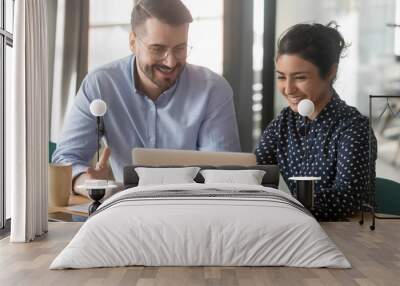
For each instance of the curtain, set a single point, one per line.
(397, 31)
(27, 123)
(70, 59)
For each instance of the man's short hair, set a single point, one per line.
(172, 12)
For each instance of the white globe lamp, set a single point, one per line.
(98, 108)
(306, 107)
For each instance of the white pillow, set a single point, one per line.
(248, 177)
(164, 176)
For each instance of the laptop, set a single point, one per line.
(162, 157)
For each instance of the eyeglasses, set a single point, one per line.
(160, 52)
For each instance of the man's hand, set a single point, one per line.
(101, 172)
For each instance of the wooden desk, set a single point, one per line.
(73, 200)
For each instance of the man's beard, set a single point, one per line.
(162, 83)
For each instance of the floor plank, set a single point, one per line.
(375, 257)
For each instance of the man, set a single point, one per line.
(154, 98)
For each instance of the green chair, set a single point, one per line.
(52, 148)
(387, 196)
(387, 201)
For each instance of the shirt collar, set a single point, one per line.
(325, 113)
(330, 108)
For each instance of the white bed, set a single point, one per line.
(201, 224)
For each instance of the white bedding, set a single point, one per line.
(183, 231)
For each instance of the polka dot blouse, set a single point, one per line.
(336, 149)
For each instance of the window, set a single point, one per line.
(258, 50)
(110, 26)
(6, 42)
(206, 33)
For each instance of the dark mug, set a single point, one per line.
(96, 195)
(305, 187)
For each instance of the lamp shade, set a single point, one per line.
(98, 107)
(305, 107)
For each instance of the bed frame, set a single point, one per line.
(270, 179)
(147, 157)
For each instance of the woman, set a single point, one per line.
(337, 148)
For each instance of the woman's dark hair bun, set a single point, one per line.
(322, 45)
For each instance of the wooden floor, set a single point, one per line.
(375, 256)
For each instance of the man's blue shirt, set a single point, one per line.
(196, 113)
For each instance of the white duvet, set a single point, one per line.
(183, 231)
